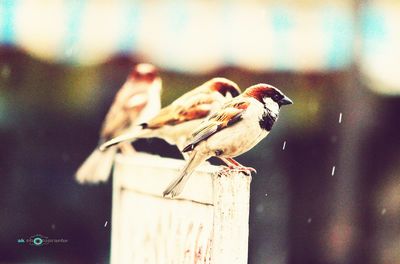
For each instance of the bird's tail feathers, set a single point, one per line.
(137, 132)
(176, 186)
(97, 167)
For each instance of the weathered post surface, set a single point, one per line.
(207, 223)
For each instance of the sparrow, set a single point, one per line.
(176, 122)
(234, 129)
(136, 101)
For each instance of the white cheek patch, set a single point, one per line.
(271, 105)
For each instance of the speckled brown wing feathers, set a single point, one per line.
(228, 115)
(189, 107)
(119, 118)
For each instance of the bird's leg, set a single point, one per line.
(234, 165)
(229, 164)
(240, 167)
(127, 149)
(234, 162)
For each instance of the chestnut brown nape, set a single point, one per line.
(224, 88)
(144, 71)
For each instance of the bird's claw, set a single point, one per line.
(227, 168)
(246, 170)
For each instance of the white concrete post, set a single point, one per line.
(207, 223)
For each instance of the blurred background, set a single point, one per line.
(328, 182)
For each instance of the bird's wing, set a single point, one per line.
(194, 107)
(137, 101)
(121, 114)
(228, 115)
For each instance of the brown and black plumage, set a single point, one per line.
(175, 122)
(136, 101)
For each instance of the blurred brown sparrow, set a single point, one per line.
(136, 101)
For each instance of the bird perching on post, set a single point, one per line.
(232, 130)
(176, 122)
(208, 223)
(136, 101)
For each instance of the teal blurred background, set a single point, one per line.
(332, 195)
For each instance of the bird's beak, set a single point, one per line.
(285, 101)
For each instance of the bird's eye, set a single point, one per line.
(276, 97)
